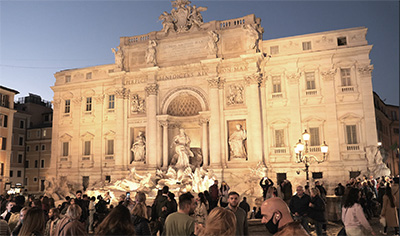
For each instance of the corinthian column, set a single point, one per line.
(151, 128)
(121, 96)
(215, 129)
(165, 146)
(254, 130)
(204, 141)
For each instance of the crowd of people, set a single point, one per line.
(218, 211)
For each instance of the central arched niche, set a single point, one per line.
(184, 105)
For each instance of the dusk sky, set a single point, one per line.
(40, 38)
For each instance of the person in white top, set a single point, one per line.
(353, 216)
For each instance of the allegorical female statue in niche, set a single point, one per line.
(182, 150)
(236, 143)
(139, 148)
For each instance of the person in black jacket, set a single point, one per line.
(118, 222)
(265, 183)
(317, 210)
(299, 205)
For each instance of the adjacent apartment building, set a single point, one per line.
(31, 143)
(6, 128)
(387, 125)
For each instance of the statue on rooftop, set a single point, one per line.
(151, 53)
(119, 57)
(168, 22)
(212, 46)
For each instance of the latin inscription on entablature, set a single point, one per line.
(135, 81)
(182, 50)
(181, 75)
(234, 68)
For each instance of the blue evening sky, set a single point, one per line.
(39, 38)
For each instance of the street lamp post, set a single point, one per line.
(303, 156)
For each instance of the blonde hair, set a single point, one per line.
(34, 222)
(140, 209)
(74, 212)
(315, 191)
(220, 221)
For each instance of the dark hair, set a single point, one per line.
(20, 200)
(79, 191)
(165, 189)
(233, 193)
(67, 198)
(388, 192)
(202, 198)
(92, 198)
(117, 222)
(351, 198)
(185, 199)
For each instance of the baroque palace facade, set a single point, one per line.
(217, 82)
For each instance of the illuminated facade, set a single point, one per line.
(208, 78)
(6, 127)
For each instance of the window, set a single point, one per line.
(306, 46)
(351, 132)
(44, 133)
(87, 148)
(67, 78)
(43, 147)
(46, 118)
(37, 148)
(28, 148)
(36, 164)
(317, 175)
(314, 137)
(21, 124)
(19, 173)
(341, 41)
(354, 174)
(21, 141)
(38, 133)
(276, 84)
(67, 106)
(394, 115)
(35, 179)
(3, 143)
(41, 163)
(26, 181)
(11, 173)
(345, 76)
(111, 101)
(65, 149)
(26, 164)
(5, 122)
(110, 147)
(89, 104)
(89, 75)
(2, 169)
(396, 130)
(20, 157)
(274, 50)
(279, 138)
(310, 80)
(108, 179)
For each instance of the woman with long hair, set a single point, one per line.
(117, 222)
(34, 223)
(220, 222)
(201, 210)
(389, 211)
(317, 210)
(353, 215)
(139, 215)
(224, 192)
(70, 224)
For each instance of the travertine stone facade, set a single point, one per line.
(206, 78)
